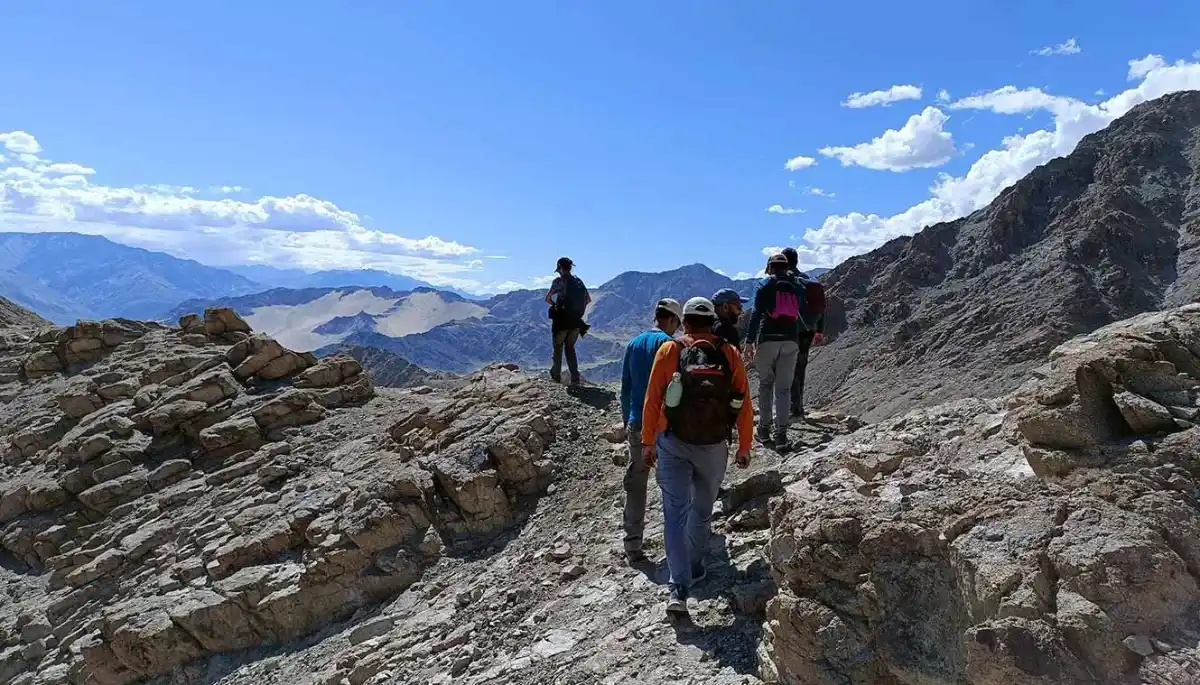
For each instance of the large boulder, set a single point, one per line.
(1057, 545)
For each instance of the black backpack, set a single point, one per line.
(703, 416)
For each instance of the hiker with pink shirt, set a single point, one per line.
(771, 343)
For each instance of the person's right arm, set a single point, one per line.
(626, 385)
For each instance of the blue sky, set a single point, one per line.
(471, 143)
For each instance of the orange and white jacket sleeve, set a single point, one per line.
(654, 418)
(741, 383)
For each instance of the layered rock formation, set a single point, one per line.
(967, 308)
(1051, 537)
(171, 494)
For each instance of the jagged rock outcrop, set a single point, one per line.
(1052, 537)
(171, 494)
(966, 308)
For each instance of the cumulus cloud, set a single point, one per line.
(301, 231)
(920, 143)
(798, 163)
(843, 236)
(943, 96)
(1071, 47)
(20, 142)
(820, 192)
(882, 97)
(780, 209)
(1138, 68)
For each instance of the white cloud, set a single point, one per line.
(780, 209)
(65, 168)
(920, 143)
(746, 275)
(882, 97)
(1071, 47)
(227, 190)
(543, 281)
(798, 163)
(302, 231)
(1138, 68)
(20, 142)
(943, 96)
(821, 192)
(843, 236)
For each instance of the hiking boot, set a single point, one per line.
(576, 380)
(699, 572)
(556, 377)
(781, 442)
(677, 600)
(765, 438)
(635, 556)
(797, 415)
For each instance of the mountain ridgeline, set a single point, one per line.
(968, 307)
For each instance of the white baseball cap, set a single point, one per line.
(671, 306)
(700, 306)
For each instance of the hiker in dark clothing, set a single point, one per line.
(729, 310)
(812, 332)
(568, 299)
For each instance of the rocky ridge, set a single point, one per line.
(171, 494)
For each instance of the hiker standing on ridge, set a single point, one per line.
(771, 344)
(729, 310)
(812, 328)
(635, 377)
(696, 396)
(568, 299)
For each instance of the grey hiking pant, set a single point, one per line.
(636, 476)
(690, 477)
(776, 364)
(565, 340)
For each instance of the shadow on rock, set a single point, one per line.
(600, 398)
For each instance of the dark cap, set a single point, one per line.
(793, 257)
(727, 295)
(778, 258)
(565, 263)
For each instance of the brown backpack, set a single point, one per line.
(704, 416)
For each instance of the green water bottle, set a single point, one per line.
(674, 390)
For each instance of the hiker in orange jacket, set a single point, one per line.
(686, 430)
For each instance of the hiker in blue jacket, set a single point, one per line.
(568, 299)
(635, 377)
(771, 343)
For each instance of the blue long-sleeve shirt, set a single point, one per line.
(635, 372)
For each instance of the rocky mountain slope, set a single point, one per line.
(390, 370)
(200, 505)
(968, 307)
(67, 276)
(12, 314)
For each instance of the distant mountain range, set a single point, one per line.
(443, 331)
(68, 276)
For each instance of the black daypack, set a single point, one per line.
(704, 415)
